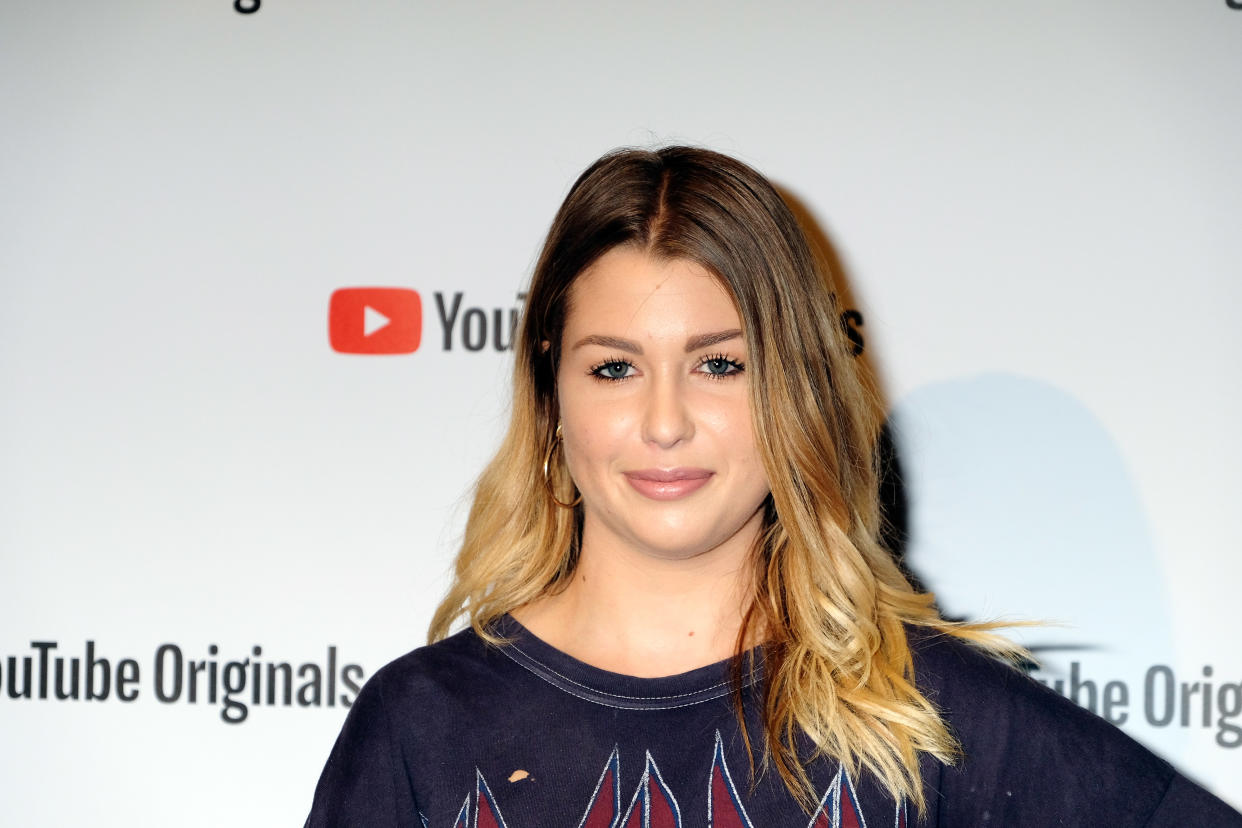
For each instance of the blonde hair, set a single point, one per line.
(830, 602)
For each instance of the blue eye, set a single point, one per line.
(612, 370)
(720, 366)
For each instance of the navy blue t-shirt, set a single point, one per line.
(462, 734)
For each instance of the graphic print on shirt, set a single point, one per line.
(654, 806)
(724, 807)
(486, 814)
(839, 807)
(604, 809)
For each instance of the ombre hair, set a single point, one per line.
(831, 605)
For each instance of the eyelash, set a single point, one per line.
(735, 367)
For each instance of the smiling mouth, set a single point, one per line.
(668, 484)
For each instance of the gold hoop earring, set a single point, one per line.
(547, 480)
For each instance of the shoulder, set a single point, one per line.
(1026, 751)
(418, 695)
(963, 680)
(459, 667)
(985, 699)
(409, 706)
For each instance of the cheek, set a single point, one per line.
(729, 422)
(595, 436)
(734, 432)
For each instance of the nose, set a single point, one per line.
(667, 420)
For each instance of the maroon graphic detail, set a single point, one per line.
(486, 814)
(463, 816)
(661, 813)
(653, 805)
(724, 812)
(850, 815)
(605, 806)
(827, 805)
(838, 807)
(724, 806)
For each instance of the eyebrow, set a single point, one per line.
(694, 343)
(617, 342)
(706, 340)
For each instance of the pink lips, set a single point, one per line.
(668, 484)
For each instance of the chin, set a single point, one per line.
(680, 545)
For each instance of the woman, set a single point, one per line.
(679, 610)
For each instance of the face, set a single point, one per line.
(655, 412)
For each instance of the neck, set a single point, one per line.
(641, 615)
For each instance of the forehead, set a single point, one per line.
(629, 293)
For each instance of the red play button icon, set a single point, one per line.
(374, 320)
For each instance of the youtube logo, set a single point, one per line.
(375, 320)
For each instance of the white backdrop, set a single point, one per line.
(1036, 208)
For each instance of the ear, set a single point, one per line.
(545, 346)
